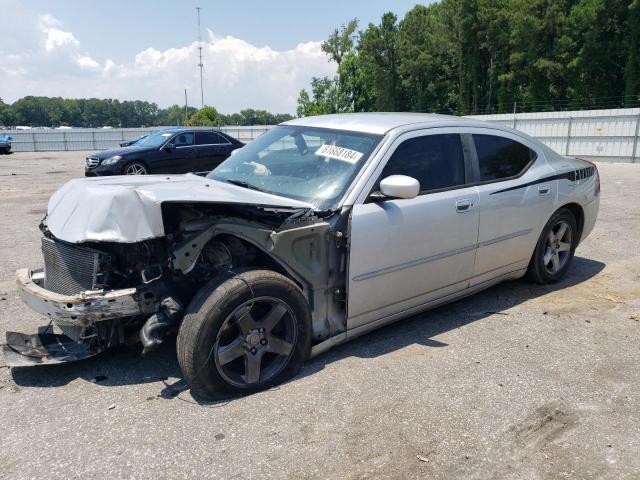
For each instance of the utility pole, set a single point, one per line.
(186, 108)
(200, 53)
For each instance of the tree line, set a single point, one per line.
(94, 112)
(485, 56)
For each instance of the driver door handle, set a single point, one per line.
(464, 206)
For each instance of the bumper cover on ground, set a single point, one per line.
(22, 350)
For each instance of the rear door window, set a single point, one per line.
(500, 158)
(208, 138)
(436, 161)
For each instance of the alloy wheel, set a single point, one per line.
(135, 169)
(558, 247)
(256, 341)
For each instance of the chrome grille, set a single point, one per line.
(69, 269)
(92, 162)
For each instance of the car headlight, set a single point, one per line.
(111, 160)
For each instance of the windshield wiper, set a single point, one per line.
(244, 184)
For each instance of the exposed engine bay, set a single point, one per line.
(157, 278)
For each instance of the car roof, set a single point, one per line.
(380, 122)
(189, 129)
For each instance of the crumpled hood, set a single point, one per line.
(127, 209)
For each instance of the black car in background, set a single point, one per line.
(175, 150)
(5, 144)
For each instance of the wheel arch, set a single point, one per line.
(267, 260)
(578, 213)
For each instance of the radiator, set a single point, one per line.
(69, 269)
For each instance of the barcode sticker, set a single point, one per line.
(339, 153)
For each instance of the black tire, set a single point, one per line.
(543, 272)
(214, 311)
(139, 166)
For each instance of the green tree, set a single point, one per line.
(206, 116)
(327, 97)
(427, 60)
(632, 67)
(174, 115)
(6, 114)
(340, 42)
(378, 49)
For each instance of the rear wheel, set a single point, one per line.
(243, 333)
(135, 168)
(555, 248)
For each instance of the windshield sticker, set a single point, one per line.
(339, 153)
(165, 134)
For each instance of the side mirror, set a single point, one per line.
(400, 186)
(169, 147)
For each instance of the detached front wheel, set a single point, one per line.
(243, 333)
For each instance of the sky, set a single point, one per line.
(256, 53)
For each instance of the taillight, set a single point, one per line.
(595, 167)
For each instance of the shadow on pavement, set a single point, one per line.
(125, 366)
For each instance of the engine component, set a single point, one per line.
(217, 257)
(152, 332)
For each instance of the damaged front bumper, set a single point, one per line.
(83, 308)
(77, 313)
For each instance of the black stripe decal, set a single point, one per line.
(571, 176)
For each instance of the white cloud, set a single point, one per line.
(54, 36)
(88, 62)
(237, 74)
(59, 38)
(48, 20)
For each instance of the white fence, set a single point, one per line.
(603, 135)
(45, 140)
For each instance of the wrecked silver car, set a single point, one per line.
(318, 231)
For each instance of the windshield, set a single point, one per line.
(154, 140)
(315, 165)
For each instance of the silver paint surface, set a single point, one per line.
(127, 209)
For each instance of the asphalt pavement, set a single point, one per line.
(520, 381)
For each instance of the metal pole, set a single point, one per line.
(635, 140)
(93, 139)
(186, 109)
(514, 115)
(200, 64)
(566, 149)
(64, 140)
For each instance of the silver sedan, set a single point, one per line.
(320, 230)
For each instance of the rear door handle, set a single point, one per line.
(544, 189)
(464, 206)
